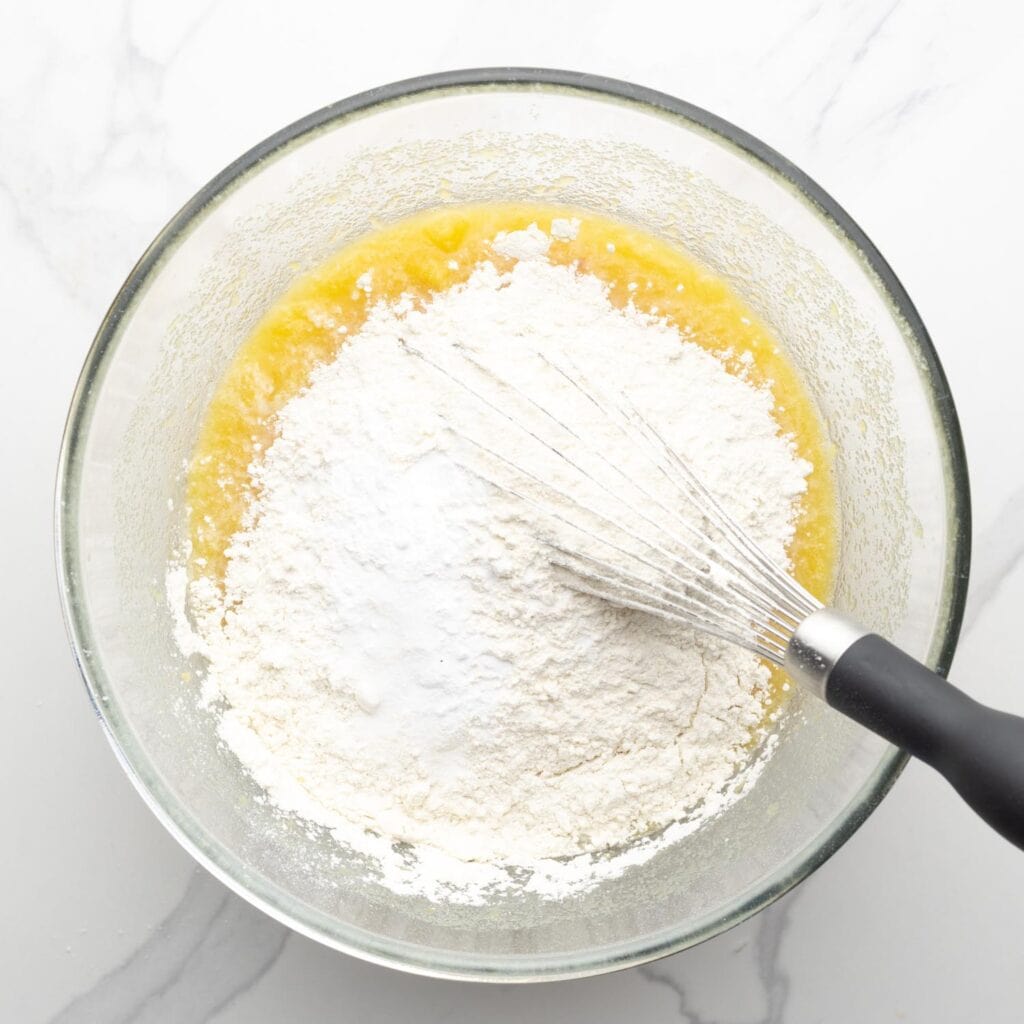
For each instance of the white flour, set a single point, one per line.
(394, 649)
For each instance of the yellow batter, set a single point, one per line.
(433, 251)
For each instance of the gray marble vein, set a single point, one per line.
(209, 949)
(789, 33)
(856, 58)
(775, 980)
(861, 52)
(68, 187)
(135, 113)
(886, 121)
(26, 230)
(660, 975)
(745, 962)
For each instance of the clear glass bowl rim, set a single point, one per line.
(177, 819)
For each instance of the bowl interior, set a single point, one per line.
(287, 206)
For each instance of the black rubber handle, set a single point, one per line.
(979, 750)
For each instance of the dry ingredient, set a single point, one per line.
(394, 653)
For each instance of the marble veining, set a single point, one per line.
(211, 947)
(759, 973)
(855, 58)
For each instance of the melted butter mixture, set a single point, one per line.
(435, 250)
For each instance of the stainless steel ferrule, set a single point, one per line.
(816, 645)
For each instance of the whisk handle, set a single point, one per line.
(979, 750)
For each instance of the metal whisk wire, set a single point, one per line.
(794, 598)
(725, 586)
(705, 572)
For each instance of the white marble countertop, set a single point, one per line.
(112, 114)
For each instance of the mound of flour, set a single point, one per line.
(392, 649)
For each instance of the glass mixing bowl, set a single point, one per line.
(629, 153)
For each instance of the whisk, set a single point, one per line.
(685, 559)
